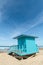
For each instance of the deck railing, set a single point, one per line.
(15, 48)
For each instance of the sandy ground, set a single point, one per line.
(5, 59)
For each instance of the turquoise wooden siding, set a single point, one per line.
(22, 44)
(31, 46)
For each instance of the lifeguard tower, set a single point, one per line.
(26, 46)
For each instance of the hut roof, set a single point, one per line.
(26, 36)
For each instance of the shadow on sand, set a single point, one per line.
(22, 57)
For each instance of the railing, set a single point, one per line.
(14, 48)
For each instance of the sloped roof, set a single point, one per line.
(26, 36)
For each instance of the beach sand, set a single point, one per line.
(6, 59)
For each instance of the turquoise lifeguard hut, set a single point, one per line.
(26, 45)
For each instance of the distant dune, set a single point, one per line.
(3, 50)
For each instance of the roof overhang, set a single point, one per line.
(26, 36)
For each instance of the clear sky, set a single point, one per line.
(20, 17)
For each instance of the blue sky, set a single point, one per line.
(20, 17)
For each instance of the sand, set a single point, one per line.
(6, 59)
